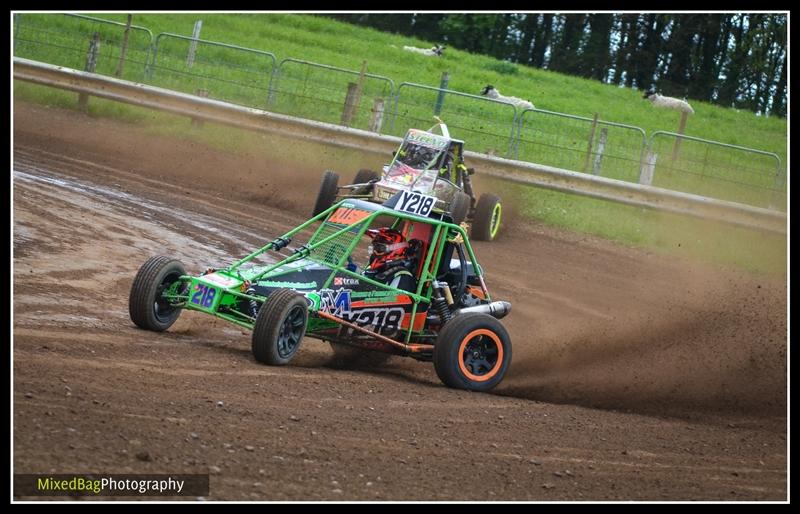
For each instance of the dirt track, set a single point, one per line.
(635, 377)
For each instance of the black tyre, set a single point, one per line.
(280, 326)
(148, 310)
(327, 192)
(459, 207)
(345, 356)
(488, 213)
(364, 176)
(473, 351)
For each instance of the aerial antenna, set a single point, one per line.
(442, 127)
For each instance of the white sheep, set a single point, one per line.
(667, 102)
(436, 51)
(491, 92)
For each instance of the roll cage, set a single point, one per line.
(340, 229)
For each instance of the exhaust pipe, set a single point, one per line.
(495, 309)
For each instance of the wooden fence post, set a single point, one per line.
(376, 120)
(353, 98)
(124, 50)
(437, 109)
(91, 65)
(589, 143)
(601, 145)
(648, 168)
(193, 45)
(350, 104)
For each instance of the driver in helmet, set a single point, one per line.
(392, 258)
(416, 156)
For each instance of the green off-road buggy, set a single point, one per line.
(317, 287)
(427, 163)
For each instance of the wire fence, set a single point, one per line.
(588, 145)
(718, 170)
(216, 70)
(487, 125)
(330, 94)
(66, 40)
(355, 98)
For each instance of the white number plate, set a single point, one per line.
(415, 203)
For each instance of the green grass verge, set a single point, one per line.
(667, 233)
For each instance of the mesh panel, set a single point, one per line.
(331, 252)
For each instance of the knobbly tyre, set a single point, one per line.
(323, 288)
(427, 163)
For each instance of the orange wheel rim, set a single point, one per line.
(480, 355)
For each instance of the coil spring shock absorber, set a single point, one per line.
(253, 303)
(440, 303)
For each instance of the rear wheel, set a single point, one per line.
(280, 327)
(146, 306)
(364, 176)
(473, 351)
(488, 212)
(459, 207)
(327, 192)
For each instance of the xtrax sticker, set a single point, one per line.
(345, 281)
(415, 203)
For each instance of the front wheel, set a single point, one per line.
(473, 351)
(279, 328)
(147, 306)
(327, 192)
(488, 212)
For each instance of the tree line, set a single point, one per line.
(733, 60)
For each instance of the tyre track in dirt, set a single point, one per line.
(622, 386)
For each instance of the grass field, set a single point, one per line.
(317, 92)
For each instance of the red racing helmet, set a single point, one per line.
(388, 245)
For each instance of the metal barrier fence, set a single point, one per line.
(326, 93)
(331, 134)
(588, 145)
(65, 40)
(487, 125)
(208, 68)
(718, 170)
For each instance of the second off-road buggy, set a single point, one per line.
(318, 287)
(427, 163)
